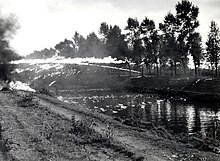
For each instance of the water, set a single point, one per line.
(179, 116)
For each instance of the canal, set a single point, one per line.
(177, 115)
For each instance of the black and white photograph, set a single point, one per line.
(109, 80)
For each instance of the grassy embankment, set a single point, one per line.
(193, 89)
(31, 130)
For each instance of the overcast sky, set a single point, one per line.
(44, 23)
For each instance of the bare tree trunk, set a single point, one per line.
(149, 68)
(164, 71)
(142, 71)
(157, 70)
(175, 68)
(196, 72)
(171, 69)
(184, 68)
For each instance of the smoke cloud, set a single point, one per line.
(8, 27)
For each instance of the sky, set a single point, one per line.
(44, 23)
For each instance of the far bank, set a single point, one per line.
(204, 89)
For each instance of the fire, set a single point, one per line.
(62, 60)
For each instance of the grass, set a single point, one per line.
(194, 141)
(107, 138)
(27, 100)
(46, 91)
(5, 144)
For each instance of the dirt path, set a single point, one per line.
(138, 146)
(34, 133)
(143, 144)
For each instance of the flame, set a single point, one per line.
(62, 60)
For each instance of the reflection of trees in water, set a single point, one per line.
(176, 116)
(197, 121)
(213, 129)
(165, 114)
(148, 111)
(178, 120)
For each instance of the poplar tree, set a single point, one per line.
(213, 46)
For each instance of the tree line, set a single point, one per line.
(166, 48)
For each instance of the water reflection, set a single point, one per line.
(177, 116)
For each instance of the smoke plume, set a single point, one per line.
(8, 27)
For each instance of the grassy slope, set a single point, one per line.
(32, 132)
(195, 89)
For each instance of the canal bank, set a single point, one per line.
(201, 89)
(40, 127)
(74, 132)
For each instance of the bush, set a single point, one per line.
(46, 92)
(27, 100)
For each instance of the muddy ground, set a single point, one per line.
(39, 127)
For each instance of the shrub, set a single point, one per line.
(46, 92)
(27, 100)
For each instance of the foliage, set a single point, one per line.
(186, 20)
(27, 100)
(94, 46)
(135, 44)
(43, 54)
(86, 127)
(46, 92)
(66, 49)
(150, 38)
(80, 45)
(169, 43)
(115, 42)
(213, 46)
(195, 48)
(178, 31)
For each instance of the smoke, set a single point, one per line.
(8, 27)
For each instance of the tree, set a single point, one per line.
(94, 46)
(134, 39)
(114, 41)
(8, 26)
(138, 51)
(104, 30)
(80, 45)
(177, 30)
(195, 48)
(186, 21)
(135, 42)
(151, 42)
(213, 46)
(133, 28)
(43, 54)
(66, 49)
(169, 44)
